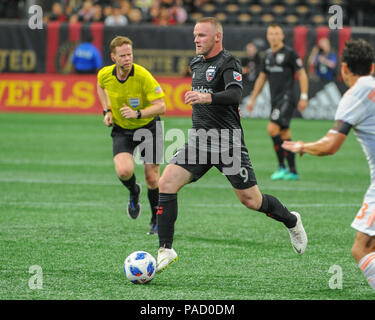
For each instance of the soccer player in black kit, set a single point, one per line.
(215, 96)
(279, 66)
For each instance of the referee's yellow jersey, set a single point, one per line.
(137, 92)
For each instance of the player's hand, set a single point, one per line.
(195, 97)
(128, 112)
(250, 105)
(293, 146)
(108, 120)
(302, 104)
(239, 112)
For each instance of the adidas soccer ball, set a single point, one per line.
(139, 267)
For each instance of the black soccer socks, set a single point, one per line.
(273, 208)
(290, 158)
(277, 142)
(166, 217)
(153, 198)
(130, 184)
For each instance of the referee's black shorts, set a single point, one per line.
(282, 113)
(188, 157)
(149, 139)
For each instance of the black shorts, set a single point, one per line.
(282, 113)
(240, 175)
(149, 139)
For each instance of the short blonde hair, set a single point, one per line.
(118, 42)
(215, 22)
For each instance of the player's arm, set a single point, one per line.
(106, 104)
(228, 97)
(304, 87)
(328, 145)
(157, 107)
(258, 87)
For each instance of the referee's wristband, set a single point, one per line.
(304, 96)
(105, 111)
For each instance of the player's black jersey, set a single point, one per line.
(280, 67)
(214, 75)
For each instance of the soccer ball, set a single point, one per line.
(139, 267)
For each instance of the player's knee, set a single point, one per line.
(152, 180)
(166, 185)
(124, 173)
(285, 134)
(273, 129)
(250, 203)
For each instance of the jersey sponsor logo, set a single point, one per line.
(237, 76)
(280, 58)
(158, 89)
(210, 73)
(275, 69)
(202, 89)
(134, 102)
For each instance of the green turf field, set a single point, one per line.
(62, 208)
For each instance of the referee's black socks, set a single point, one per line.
(273, 208)
(153, 198)
(166, 217)
(130, 184)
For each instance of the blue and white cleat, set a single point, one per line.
(134, 207)
(153, 228)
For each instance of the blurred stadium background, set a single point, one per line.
(162, 35)
(56, 171)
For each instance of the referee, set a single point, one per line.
(215, 96)
(279, 67)
(132, 100)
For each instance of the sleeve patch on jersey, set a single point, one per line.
(158, 89)
(237, 76)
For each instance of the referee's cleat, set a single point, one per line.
(134, 207)
(291, 176)
(298, 235)
(153, 228)
(279, 174)
(165, 258)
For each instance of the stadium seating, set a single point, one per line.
(241, 12)
(260, 12)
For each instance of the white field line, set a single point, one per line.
(294, 188)
(56, 204)
(109, 163)
(71, 163)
